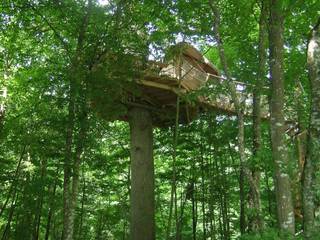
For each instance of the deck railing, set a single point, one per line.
(218, 94)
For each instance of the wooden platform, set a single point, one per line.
(185, 74)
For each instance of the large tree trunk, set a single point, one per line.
(142, 176)
(312, 162)
(256, 220)
(285, 212)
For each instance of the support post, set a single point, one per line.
(142, 216)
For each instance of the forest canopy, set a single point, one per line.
(104, 134)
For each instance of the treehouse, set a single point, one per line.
(186, 72)
(148, 99)
(156, 85)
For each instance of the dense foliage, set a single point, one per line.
(63, 67)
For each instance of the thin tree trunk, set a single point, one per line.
(24, 216)
(203, 188)
(270, 194)
(227, 213)
(222, 228)
(239, 110)
(173, 195)
(180, 220)
(37, 218)
(4, 91)
(301, 150)
(211, 201)
(191, 193)
(224, 195)
(194, 213)
(213, 176)
(256, 220)
(78, 157)
(221, 194)
(82, 205)
(70, 185)
(285, 212)
(242, 194)
(312, 163)
(6, 232)
(175, 144)
(51, 206)
(14, 180)
(142, 176)
(203, 209)
(176, 210)
(67, 218)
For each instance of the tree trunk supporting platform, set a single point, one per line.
(142, 216)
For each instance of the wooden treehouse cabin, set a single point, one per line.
(154, 103)
(185, 74)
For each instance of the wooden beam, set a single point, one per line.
(162, 86)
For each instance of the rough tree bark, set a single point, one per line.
(285, 212)
(312, 163)
(256, 220)
(142, 218)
